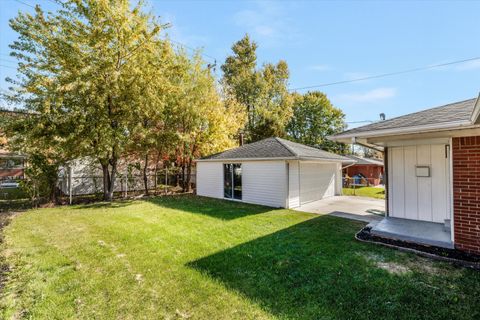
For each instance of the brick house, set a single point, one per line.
(371, 169)
(432, 174)
(11, 164)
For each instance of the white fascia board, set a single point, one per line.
(405, 130)
(313, 159)
(277, 159)
(476, 111)
(246, 159)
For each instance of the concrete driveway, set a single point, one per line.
(350, 207)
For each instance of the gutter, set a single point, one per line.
(406, 130)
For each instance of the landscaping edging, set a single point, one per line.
(453, 256)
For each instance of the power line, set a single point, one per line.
(24, 3)
(177, 42)
(387, 74)
(193, 49)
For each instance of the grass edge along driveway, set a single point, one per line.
(196, 258)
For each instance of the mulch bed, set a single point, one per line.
(454, 256)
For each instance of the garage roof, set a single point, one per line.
(275, 148)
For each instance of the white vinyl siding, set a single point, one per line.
(317, 181)
(294, 184)
(419, 198)
(210, 179)
(264, 182)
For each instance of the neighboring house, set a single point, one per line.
(432, 161)
(370, 169)
(11, 166)
(273, 172)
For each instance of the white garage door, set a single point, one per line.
(317, 181)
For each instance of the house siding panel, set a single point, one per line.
(466, 193)
(294, 184)
(210, 179)
(265, 182)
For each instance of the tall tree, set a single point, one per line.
(91, 70)
(262, 91)
(205, 123)
(314, 118)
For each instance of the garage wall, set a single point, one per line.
(317, 181)
(419, 198)
(338, 180)
(210, 179)
(294, 184)
(265, 182)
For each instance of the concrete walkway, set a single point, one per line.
(424, 232)
(350, 207)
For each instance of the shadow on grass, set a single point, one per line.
(316, 270)
(216, 208)
(106, 205)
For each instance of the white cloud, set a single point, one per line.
(269, 22)
(181, 34)
(470, 65)
(320, 67)
(368, 96)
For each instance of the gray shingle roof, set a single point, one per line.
(365, 161)
(275, 148)
(458, 111)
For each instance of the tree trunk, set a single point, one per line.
(52, 197)
(113, 176)
(184, 186)
(145, 177)
(106, 179)
(189, 176)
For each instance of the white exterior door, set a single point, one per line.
(419, 182)
(317, 181)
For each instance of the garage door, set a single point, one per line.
(317, 181)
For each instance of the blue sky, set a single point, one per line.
(326, 41)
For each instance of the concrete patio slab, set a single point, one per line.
(423, 232)
(350, 207)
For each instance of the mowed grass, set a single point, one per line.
(371, 192)
(196, 258)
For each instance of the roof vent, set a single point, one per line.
(382, 116)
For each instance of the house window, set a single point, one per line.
(232, 181)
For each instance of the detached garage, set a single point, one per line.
(272, 172)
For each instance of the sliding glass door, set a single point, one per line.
(232, 181)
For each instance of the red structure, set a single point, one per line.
(466, 193)
(370, 169)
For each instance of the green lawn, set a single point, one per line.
(371, 192)
(196, 258)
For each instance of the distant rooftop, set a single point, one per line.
(365, 161)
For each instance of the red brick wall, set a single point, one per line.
(372, 172)
(466, 193)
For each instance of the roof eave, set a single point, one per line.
(476, 111)
(349, 138)
(346, 160)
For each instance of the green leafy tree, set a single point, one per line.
(205, 123)
(91, 70)
(262, 91)
(314, 118)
